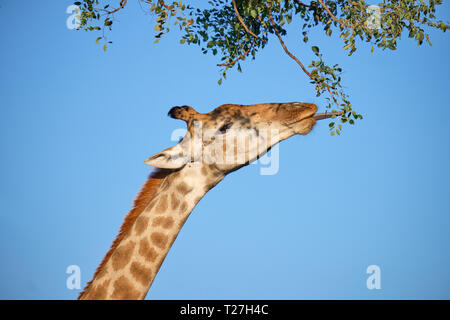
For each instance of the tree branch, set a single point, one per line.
(243, 23)
(122, 5)
(284, 46)
(242, 56)
(303, 4)
(291, 55)
(333, 16)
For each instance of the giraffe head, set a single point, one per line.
(232, 136)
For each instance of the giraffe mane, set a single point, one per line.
(147, 192)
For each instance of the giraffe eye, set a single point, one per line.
(225, 127)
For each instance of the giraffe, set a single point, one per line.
(183, 174)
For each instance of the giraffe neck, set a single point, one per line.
(130, 267)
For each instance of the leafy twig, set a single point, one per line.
(243, 23)
(242, 56)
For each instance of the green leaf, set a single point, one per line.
(288, 18)
(419, 37)
(315, 49)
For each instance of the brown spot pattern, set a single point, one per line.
(162, 205)
(183, 206)
(159, 239)
(141, 273)
(183, 188)
(123, 290)
(146, 251)
(162, 221)
(122, 255)
(174, 201)
(140, 225)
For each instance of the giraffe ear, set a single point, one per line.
(170, 158)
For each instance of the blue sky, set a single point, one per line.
(77, 123)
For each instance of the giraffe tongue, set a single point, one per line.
(326, 115)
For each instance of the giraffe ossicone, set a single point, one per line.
(215, 144)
